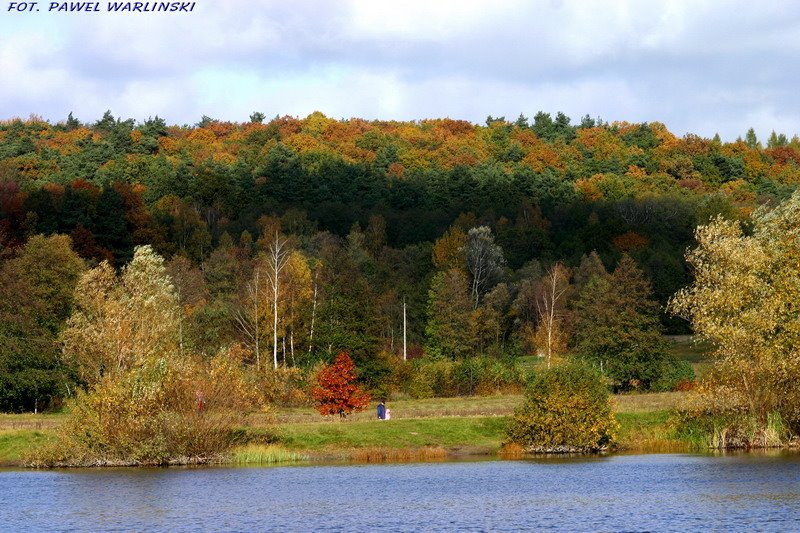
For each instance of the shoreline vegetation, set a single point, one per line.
(420, 430)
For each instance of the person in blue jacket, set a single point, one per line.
(381, 410)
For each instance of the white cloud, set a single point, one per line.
(701, 66)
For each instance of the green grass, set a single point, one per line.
(423, 428)
(469, 434)
(270, 454)
(650, 431)
(16, 443)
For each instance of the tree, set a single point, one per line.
(147, 401)
(619, 330)
(252, 313)
(298, 293)
(744, 302)
(484, 260)
(122, 322)
(590, 266)
(278, 256)
(550, 308)
(449, 309)
(36, 297)
(448, 251)
(336, 391)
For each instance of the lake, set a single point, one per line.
(677, 492)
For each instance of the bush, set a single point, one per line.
(675, 375)
(567, 409)
(429, 378)
(720, 417)
(284, 386)
(161, 413)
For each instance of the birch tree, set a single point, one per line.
(252, 315)
(277, 255)
(298, 291)
(550, 309)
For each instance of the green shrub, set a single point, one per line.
(674, 372)
(429, 378)
(567, 409)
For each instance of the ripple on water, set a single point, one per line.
(614, 493)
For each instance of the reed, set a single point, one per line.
(651, 432)
(395, 455)
(511, 450)
(269, 454)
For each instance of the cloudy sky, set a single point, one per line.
(697, 66)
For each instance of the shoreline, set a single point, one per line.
(436, 429)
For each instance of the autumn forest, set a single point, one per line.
(435, 252)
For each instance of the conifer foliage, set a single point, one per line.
(336, 391)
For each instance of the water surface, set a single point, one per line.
(744, 492)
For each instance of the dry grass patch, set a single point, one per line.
(647, 403)
(393, 455)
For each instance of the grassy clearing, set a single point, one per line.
(500, 405)
(419, 430)
(15, 443)
(458, 435)
(647, 403)
(684, 347)
(30, 421)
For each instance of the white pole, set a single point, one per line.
(404, 328)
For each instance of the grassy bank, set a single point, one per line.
(419, 429)
(16, 442)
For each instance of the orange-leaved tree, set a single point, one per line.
(336, 391)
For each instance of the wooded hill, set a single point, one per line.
(373, 213)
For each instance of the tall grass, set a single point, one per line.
(651, 432)
(402, 455)
(265, 454)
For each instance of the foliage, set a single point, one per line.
(36, 297)
(484, 261)
(122, 322)
(743, 301)
(147, 402)
(152, 415)
(618, 328)
(474, 375)
(336, 391)
(432, 196)
(449, 309)
(567, 408)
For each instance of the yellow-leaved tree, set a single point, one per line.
(744, 301)
(147, 402)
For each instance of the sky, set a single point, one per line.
(700, 67)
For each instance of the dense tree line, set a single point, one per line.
(298, 238)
